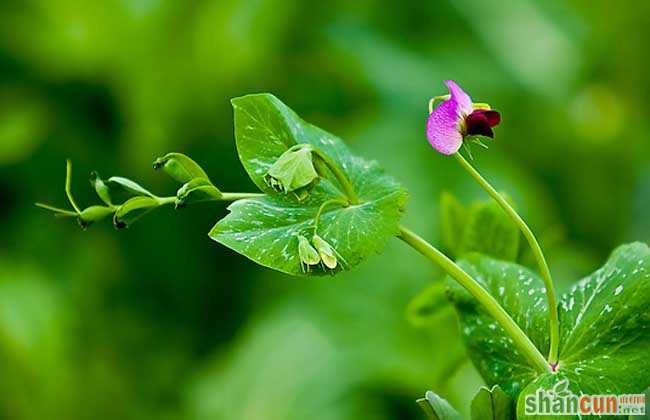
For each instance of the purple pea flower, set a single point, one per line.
(457, 117)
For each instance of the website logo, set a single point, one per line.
(560, 401)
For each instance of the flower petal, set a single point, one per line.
(442, 128)
(478, 124)
(493, 117)
(463, 100)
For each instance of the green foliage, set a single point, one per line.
(483, 227)
(94, 214)
(133, 209)
(428, 305)
(180, 167)
(603, 347)
(129, 186)
(604, 319)
(266, 230)
(521, 293)
(492, 404)
(453, 222)
(102, 190)
(489, 231)
(437, 408)
(197, 190)
(123, 81)
(196, 187)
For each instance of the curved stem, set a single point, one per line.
(554, 325)
(322, 208)
(433, 100)
(520, 339)
(68, 185)
(341, 177)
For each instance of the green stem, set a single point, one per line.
(165, 200)
(341, 177)
(68, 185)
(520, 339)
(554, 325)
(227, 196)
(322, 208)
(56, 210)
(238, 196)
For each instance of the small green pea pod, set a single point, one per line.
(307, 253)
(180, 167)
(93, 214)
(132, 210)
(130, 186)
(195, 191)
(326, 252)
(293, 171)
(102, 190)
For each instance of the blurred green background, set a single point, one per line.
(160, 322)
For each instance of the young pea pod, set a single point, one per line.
(293, 172)
(196, 190)
(93, 214)
(102, 190)
(326, 252)
(130, 186)
(132, 210)
(180, 167)
(307, 253)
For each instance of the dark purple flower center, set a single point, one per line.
(480, 123)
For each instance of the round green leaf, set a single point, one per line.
(604, 324)
(266, 229)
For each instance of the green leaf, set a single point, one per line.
(102, 190)
(94, 214)
(197, 190)
(492, 404)
(437, 408)
(453, 219)
(130, 186)
(132, 210)
(489, 231)
(428, 305)
(266, 229)
(483, 227)
(180, 167)
(521, 293)
(604, 323)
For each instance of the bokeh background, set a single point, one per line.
(160, 322)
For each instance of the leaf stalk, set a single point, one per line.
(554, 324)
(340, 175)
(520, 339)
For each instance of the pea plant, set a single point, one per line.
(321, 210)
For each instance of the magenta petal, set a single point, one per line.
(442, 127)
(465, 106)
